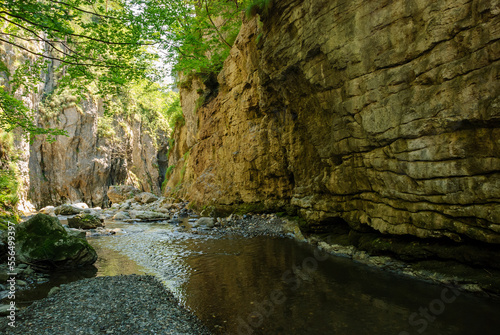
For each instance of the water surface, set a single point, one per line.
(267, 285)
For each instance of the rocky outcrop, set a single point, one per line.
(42, 241)
(99, 151)
(83, 165)
(381, 114)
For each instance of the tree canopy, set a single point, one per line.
(107, 44)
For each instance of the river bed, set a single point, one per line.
(274, 285)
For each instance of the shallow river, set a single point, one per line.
(268, 285)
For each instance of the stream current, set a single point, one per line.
(271, 285)
(276, 285)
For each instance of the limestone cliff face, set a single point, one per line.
(381, 113)
(81, 167)
(97, 153)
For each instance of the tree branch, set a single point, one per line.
(48, 42)
(68, 33)
(63, 60)
(84, 11)
(216, 29)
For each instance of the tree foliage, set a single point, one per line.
(87, 42)
(106, 44)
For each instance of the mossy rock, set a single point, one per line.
(43, 242)
(84, 221)
(67, 209)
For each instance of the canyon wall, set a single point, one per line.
(81, 166)
(99, 150)
(381, 114)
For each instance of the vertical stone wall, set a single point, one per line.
(385, 114)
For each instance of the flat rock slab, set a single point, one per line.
(130, 304)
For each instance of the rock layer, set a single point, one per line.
(82, 166)
(381, 114)
(95, 155)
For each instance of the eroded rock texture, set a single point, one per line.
(82, 166)
(381, 113)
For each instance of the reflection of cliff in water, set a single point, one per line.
(276, 286)
(271, 285)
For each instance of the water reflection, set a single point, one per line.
(278, 286)
(113, 263)
(273, 286)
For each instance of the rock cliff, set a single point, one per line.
(81, 167)
(381, 114)
(100, 150)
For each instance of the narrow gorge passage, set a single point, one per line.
(250, 167)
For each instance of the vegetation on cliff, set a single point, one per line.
(86, 42)
(9, 183)
(108, 44)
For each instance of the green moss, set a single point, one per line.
(7, 219)
(168, 174)
(9, 175)
(43, 238)
(260, 7)
(56, 102)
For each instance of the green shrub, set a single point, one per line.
(9, 183)
(105, 127)
(168, 174)
(260, 7)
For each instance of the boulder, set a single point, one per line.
(146, 198)
(68, 209)
(120, 193)
(6, 309)
(49, 210)
(205, 221)
(121, 216)
(44, 242)
(148, 215)
(126, 204)
(84, 221)
(81, 205)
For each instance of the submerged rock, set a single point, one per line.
(43, 241)
(84, 221)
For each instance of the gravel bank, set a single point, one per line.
(107, 305)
